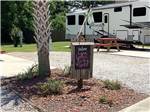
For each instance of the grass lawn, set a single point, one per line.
(61, 46)
(56, 46)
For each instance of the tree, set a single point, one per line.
(83, 4)
(58, 24)
(18, 13)
(58, 10)
(42, 35)
(14, 36)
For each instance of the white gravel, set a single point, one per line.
(11, 102)
(132, 71)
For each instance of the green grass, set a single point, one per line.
(56, 46)
(25, 48)
(61, 46)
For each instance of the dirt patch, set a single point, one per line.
(72, 99)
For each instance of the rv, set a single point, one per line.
(129, 22)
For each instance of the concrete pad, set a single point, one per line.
(142, 106)
(141, 54)
(11, 66)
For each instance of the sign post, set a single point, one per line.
(81, 61)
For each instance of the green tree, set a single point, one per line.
(18, 13)
(86, 3)
(14, 35)
(58, 10)
(58, 23)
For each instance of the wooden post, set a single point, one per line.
(80, 83)
(81, 61)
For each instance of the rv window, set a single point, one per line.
(97, 17)
(71, 20)
(141, 11)
(105, 19)
(81, 19)
(118, 9)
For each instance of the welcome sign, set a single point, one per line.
(82, 57)
(81, 61)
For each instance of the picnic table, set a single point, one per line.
(108, 43)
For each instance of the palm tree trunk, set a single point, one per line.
(43, 60)
(42, 34)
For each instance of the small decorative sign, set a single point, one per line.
(81, 61)
(82, 57)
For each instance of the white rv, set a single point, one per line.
(127, 21)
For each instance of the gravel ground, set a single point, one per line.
(11, 102)
(131, 71)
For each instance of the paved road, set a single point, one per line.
(130, 70)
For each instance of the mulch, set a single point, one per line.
(72, 99)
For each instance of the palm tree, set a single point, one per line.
(42, 34)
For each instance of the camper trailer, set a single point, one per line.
(129, 22)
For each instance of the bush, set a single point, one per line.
(113, 85)
(52, 86)
(29, 74)
(103, 100)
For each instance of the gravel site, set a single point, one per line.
(11, 102)
(134, 72)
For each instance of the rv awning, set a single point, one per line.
(131, 26)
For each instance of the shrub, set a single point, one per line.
(67, 70)
(29, 74)
(103, 100)
(52, 86)
(113, 85)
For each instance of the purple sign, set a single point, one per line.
(82, 57)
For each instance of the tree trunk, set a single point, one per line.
(15, 42)
(42, 35)
(43, 60)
